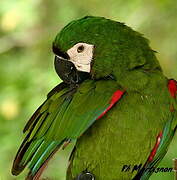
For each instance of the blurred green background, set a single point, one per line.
(27, 29)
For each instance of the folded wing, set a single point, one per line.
(64, 116)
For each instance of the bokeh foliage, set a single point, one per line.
(27, 29)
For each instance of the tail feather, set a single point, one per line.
(31, 151)
(41, 154)
(36, 154)
(37, 169)
(17, 166)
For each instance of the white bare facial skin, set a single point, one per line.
(81, 55)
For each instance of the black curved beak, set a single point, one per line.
(68, 72)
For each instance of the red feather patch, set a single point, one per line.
(154, 150)
(172, 86)
(115, 98)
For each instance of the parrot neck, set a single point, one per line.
(140, 81)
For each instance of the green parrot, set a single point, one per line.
(114, 100)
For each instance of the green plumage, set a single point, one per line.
(64, 116)
(126, 134)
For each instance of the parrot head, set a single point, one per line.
(96, 47)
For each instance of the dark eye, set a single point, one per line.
(80, 49)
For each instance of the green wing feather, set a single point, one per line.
(167, 136)
(65, 115)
